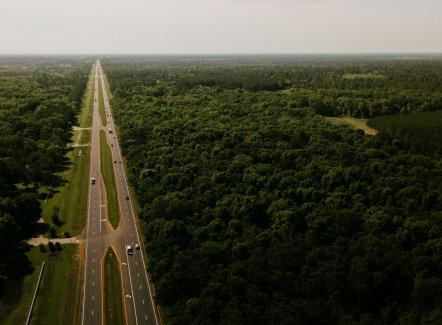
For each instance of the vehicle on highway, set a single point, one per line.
(92, 181)
(115, 161)
(137, 246)
(110, 131)
(127, 197)
(129, 250)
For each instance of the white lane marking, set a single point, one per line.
(92, 312)
(142, 301)
(93, 283)
(93, 271)
(138, 274)
(145, 316)
(140, 286)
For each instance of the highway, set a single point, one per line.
(138, 301)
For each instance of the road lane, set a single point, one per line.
(92, 300)
(143, 304)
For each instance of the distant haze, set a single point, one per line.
(219, 26)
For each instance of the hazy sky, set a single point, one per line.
(219, 26)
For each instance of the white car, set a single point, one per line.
(129, 250)
(137, 246)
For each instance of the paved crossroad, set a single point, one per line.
(139, 305)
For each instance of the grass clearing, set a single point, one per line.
(107, 170)
(101, 105)
(58, 300)
(113, 293)
(354, 123)
(368, 75)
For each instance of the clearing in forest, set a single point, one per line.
(354, 123)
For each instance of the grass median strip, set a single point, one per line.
(113, 294)
(107, 170)
(101, 104)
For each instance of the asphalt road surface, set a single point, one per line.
(138, 301)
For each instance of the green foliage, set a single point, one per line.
(38, 106)
(421, 132)
(259, 212)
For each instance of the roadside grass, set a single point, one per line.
(101, 105)
(354, 123)
(69, 201)
(107, 170)
(17, 294)
(113, 293)
(85, 117)
(59, 296)
(53, 305)
(85, 136)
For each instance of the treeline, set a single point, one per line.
(352, 86)
(421, 132)
(37, 111)
(259, 212)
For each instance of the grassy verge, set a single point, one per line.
(84, 137)
(107, 170)
(58, 298)
(101, 104)
(85, 118)
(354, 123)
(113, 294)
(69, 202)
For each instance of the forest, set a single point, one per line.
(421, 132)
(256, 210)
(39, 100)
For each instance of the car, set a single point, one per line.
(92, 181)
(112, 145)
(129, 250)
(119, 162)
(115, 161)
(137, 246)
(127, 197)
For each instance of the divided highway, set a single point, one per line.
(139, 304)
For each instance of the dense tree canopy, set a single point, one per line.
(39, 99)
(258, 211)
